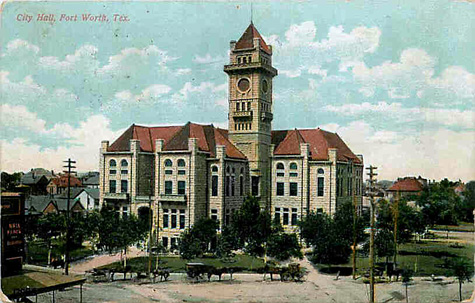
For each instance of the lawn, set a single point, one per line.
(424, 258)
(38, 252)
(462, 227)
(177, 264)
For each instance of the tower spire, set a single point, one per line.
(251, 12)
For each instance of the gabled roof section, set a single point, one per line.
(247, 39)
(176, 138)
(62, 181)
(146, 135)
(406, 184)
(221, 138)
(290, 144)
(287, 142)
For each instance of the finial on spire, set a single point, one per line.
(251, 12)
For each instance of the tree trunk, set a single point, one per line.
(460, 290)
(125, 257)
(49, 253)
(407, 298)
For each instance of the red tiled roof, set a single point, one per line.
(406, 184)
(287, 142)
(62, 181)
(176, 138)
(146, 135)
(247, 39)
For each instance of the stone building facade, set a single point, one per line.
(188, 172)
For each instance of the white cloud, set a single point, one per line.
(317, 70)
(208, 59)
(456, 80)
(429, 153)
(84, 139)
(302, 33)
(183, 71)
(447, 117)
(291, 73)
(84, 58)
(20, 47)
(19, 116)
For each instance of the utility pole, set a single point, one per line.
(371, 193)
(69, 166)
(355, 211)
(396, 217)
(150, 215)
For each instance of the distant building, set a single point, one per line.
(46, 204)
(34, 182)
(91, 181)
(59, 184)
(407, 186)
(193, 171)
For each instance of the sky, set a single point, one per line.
(395, 79)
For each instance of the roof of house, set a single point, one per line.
(36, 204)
(247, 39)
(30, 179)
(93, 192)
(176, 138)
(406, 184)
(94, 180)
(287, 142)
(62, 181)
(74, 192)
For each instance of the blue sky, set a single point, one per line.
(395, 79)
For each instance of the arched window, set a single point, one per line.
(280, 165)
(242, 170)
(320, 171)
(228, 169)
(124, 163)
(181, 163)
(214, 169)
(293, 165)
(112, 163)
(234, 170)
(168, 163)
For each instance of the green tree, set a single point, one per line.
(282, 246)
(198, 239)
(440, 203)
(468, 202)
(320, 232)
(462, 269)
(51, 226)
(256, 233)
(10, 181)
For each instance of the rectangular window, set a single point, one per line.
(182, 172)
(280, 174)
(168, 187)
(165, 218)
(286, 217)
(237, 106)
(293, 175)
(173, 244)
(168, 172)
(233, 183)
(214, 214)
(173, 218)
(228, 181)
(112, 186)
(280, 189)
(214, 186)
(319, 210)
(294, 217)
(123, 186)
(165, 242)
(255, 185)
(320, 186)
(181, 187)
(293, 191)
(112, 171)
(125, 211)
(241, 185)
(277, 214)
(182, 219)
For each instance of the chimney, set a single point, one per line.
(232, 44)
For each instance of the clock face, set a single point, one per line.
(265, 86)
(243, 84)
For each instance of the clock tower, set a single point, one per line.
(250, 115)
